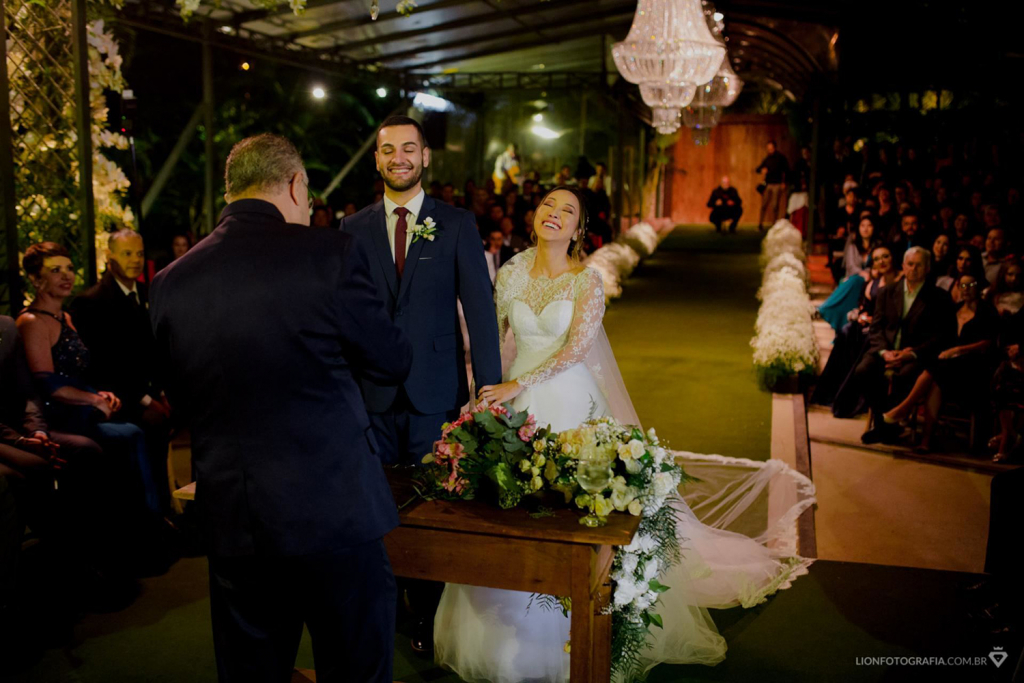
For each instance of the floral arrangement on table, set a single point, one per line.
(602, 467)
(784, 343)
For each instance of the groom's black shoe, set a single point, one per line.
(887, 434)
(423, 635)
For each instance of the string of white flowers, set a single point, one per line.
(784, 343)
(617, 261)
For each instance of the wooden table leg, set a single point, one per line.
(581, 655)
(602, 648)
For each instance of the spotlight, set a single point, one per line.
(382, 92)
(538, 117)
(319, 93)
(245, 66)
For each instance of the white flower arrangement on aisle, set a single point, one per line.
(426, 230)
(782, 238)
(784, 342)
(641, 238)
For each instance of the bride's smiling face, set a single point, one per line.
(557, 218)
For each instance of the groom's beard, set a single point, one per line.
(402, 184)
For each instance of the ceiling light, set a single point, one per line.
(544, 133)
(319, 93)
(538, 117)
(382, 92)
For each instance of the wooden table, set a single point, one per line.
(478, 544)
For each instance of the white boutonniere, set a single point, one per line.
(426, 230)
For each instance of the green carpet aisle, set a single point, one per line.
(681, 334)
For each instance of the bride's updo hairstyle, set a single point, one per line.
(576, 245)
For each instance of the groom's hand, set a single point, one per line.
(496, 394)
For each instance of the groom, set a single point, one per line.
(427, 256)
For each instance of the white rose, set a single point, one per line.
(626, 591)
(624, 452)
(651, 569)
(633, 466)
(622, 494)
(629, 562)
(539, 445)
(635, 508)
(663, 484)
(637, 448)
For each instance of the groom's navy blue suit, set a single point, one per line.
(262, 328)
(407, 419)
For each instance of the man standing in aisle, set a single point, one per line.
(773, 169)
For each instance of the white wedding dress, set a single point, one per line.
(486, 634)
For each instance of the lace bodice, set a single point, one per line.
(565, 330)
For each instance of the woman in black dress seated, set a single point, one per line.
(58, 359)
(850, 341)
(961, 371)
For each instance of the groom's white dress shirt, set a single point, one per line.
(415, 205)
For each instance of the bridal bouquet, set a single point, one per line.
(601, 466)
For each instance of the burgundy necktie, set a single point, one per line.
(401, 228)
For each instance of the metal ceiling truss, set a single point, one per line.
(510, 80)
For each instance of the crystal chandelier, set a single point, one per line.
(665, 119)
(722, 90)
(669, 42)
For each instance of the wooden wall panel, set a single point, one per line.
(736, 148)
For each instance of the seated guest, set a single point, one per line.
(912, 323)
(495, 215)
(962, 230)
(448, 195)
(850, 340)
(61, 485)
(996, 252)
(906, 234)
(113, 323)
(180, 244)
(512, 241)
(1007, 294)
(857, 265)
(514, 206)
(941, 258)
(958, 371)
(725, 205)
(1008, 388)
(967, 261)
(496, 253)
(59, 360)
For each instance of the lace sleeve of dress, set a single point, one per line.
(501, 301)
(586, 323)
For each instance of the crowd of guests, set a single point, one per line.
(84, 432)
(927, 309)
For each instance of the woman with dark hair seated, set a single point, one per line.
(961, 370)
(850, 340)
(58, 360)
(942, 257)
(1007, 294)
(857, 266)
(968, 261)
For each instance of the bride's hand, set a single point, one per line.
(496, 394)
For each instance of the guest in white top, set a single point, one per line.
(493, 248)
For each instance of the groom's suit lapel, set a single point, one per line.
(379, 230)
(412, 258)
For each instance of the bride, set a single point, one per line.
(563, 372)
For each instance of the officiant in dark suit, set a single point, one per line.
(291, 495)
(913, 322)
(113, 322)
